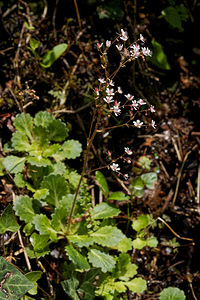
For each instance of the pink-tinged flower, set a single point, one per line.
(111, 83)
(141, 102)
(125, 176)
(99, 45)
(110, 92)
(136, 51)
(153, 124)
(138, 123)
(116, 109)
(128, 151)
(115, 167)
(129, 97)
(126, 52)
(152, 109)
(124, 35)
(108, 44)
(109, 153)
(146, 51)
(96, 91)
(108, 99)
(135, 104)
(142, 39)
(102, 80)
(119, 90)
(119, 47)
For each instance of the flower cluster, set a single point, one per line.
(115, 167)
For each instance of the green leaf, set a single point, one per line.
(108, 286)
(88, 287)
(136, 285)
(38, 161)
(101, 180)
(77, 258)
(59, 218)
(14, 284)
(139, 243)
(119, 196)
(142, 222)
(51, 56)
(28, 229)
(41, 194)
(159, 57)
(172, 293)
(172, 16)
(124, 245)
(144, 162)
(57, 131)
(101, 260)
(29, 27)
(32, 253)
(39, 242)
(81, 240)
(149, 179)
(1, 167)
(73, 177)
(19, 180)
(34, 44)
(20, 142)
(43, 118)
(14, 164)
(70, 286)
(24, 123)
(57, 186)
(71, 149)
(152, 242)
(51, 150)
(107, 236)
(26, 208)
(125, 269)
(33, 277)
(103, 211)
(137, 183)
(43, 225)
(8, 221)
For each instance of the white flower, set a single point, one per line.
(135, 104)
(129, 96)
(119, 90)
(102, 80)
(146, 51)
(124, 35)
(153, 124)
(110, 92)
(128, 151)
(99, 45)
(152, 109)
(141, 102)
(115, 167)
(136, 51)
(116, 108)
(108, 43)
(108, 99)
(111, 83)
(125, 176)
(119, 47)
(142, 39)
(96, 91)
(138, 123)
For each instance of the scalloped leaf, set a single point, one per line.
(150, 179)
(139, 243)
(81, 240)
(142, 222)
(70, 286)
(103, 211)
(124, 245)
(101, 260)
(152, 242)
(125, 269)
(39, 242)
(119, 196)
(71, 149)
(43, 118)
(20, 142)
(136, 285)
(88, 286)
(51, 56)
(38, 161)
(8, 221)
(19, 180)
(14, 284)
(59, 218)
(24, 123)
(43, 225)
(144, 162)
(101, 180)
(41, 194)
(14, 164)
(57, 131)
(107, 236)
(57, 186)
(172, 293)
(26, 208)
(77, 258)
